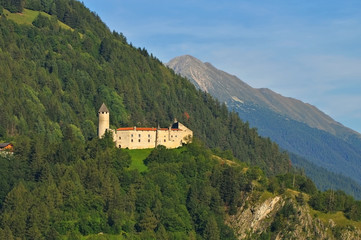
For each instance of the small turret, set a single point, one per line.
(103, 115)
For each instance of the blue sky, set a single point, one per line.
(309, 50)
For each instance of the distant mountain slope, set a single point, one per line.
(296, 126)
(325, 179)
(225, 87)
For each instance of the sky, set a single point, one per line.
(309, 50)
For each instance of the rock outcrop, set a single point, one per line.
(282, 217)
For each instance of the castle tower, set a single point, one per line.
(103, 114)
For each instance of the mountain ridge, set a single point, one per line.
(296, 126)
(291, 106)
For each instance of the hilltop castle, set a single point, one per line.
(139, 137)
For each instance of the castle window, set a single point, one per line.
(120, 137)
(138, 140)
(149, 135)
(139, 135)
(148, 140)
(120, 146)
(175, 135)
(131, 135)
(165, 140)
(131, 140)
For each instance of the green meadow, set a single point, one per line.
(138, 156)
(28, 16)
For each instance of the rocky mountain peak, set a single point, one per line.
(296, 126)
(225, 87)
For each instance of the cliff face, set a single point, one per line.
(282, 217)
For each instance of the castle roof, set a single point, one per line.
(125, 129)
(146, 129)
(103, 108)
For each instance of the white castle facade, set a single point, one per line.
(144, 137)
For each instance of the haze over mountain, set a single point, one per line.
(296, 126)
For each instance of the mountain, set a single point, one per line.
(296, 126)
(225, 87)
(58, 63)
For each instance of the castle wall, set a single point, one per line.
(136, 139)
(187, 134)
(170, 138)
(140, 138)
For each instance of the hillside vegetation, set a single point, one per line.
(90, 190)
(55, 79)
(62, 182)
(28, 17)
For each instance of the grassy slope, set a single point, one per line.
(138, 156)
(28, 16)
(338, 217)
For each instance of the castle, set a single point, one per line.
(140, 138)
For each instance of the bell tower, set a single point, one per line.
(103, 115)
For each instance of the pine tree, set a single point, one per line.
(211, 231)
(162, 233)
(15, 210)
(148, 221)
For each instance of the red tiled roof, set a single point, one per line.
(146, 129)
(125, 129)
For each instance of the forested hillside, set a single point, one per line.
(309, 149)
(62, 182)
(318, 147)
(54, 79)
(325, 179)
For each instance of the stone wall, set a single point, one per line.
(140, 138)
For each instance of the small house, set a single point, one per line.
(6, 147)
